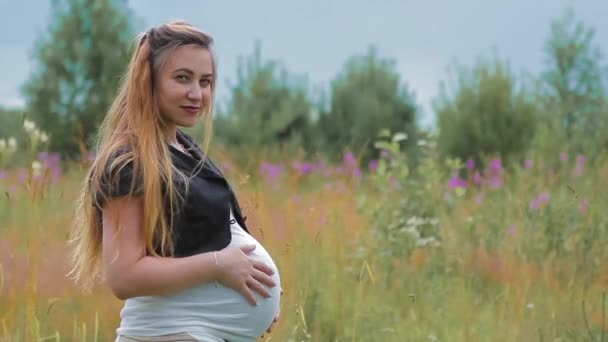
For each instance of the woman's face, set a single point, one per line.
(183, 85)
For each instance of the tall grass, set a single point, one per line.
(517, 261)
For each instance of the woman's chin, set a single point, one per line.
(187, 123)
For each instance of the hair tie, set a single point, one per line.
(146, 36)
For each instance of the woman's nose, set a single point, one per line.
(193, 96)
(195, 93)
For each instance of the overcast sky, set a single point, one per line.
(313, 38)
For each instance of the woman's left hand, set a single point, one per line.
(276, 317)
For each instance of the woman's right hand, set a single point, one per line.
(238, 271)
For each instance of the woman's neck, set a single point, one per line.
(170, 134)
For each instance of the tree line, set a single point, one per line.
(482, 110)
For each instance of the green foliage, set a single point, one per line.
(485, 115)
(11, 121)
(366, 98)
(20, 139)
(573, 89)
(266, 108)
(79, 64)
(403, 210)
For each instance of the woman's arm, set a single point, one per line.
(130, 273)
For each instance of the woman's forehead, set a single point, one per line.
(193, 59)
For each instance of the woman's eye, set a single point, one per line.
(205, 82)
(182, 77)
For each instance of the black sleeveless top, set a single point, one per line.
(202, 224)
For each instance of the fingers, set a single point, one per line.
(258, 287)
(262, 267)
(276, 319)
(263, 278)
(247, 249)
(246, 292)
(277, 316)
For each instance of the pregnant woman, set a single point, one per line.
(158, 219)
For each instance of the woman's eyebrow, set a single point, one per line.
(186, 70)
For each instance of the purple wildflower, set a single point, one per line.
(56, 175)
(373, 165)
(271, 171)
(494, 173)
(583, 206)
(496, 165)
(580, 159)
(321, 166)
(349, 158)
(303, 168)
(21, 176)
(457, 182)
(542, 199)
(477, 178)
(578, 170)
(323, 220)
(534, 204)
(470, 164)
(50, 160)
(496, 182)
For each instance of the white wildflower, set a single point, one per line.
(399, 137)
(427, 241)
(415, 221)
(12, 143)
(412, 231)
(36, 166)
(530, 306)
(29, 126)
(44, 137)
(422, 143)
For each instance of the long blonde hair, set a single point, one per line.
(133, 124)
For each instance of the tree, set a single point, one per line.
(573, 86)
(266, 108)
(485, 114)
(366, 98)
(79, 64)
(11, 122)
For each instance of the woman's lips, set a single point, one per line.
(191, 109)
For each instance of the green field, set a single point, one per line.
(503, 255)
